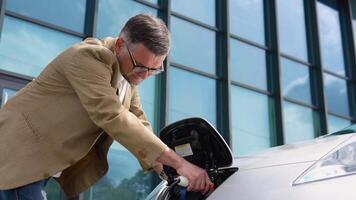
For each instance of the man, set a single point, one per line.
(64, 121)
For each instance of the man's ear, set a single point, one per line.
(119, 44)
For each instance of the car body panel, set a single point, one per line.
(292, 153)
(275, 183)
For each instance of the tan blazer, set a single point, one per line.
(66, 120)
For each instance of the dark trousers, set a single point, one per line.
(32, 191)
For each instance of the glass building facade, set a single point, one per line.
(263, 72)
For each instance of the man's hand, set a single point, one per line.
(197, 177)
(158, 168)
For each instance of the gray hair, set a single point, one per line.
(148, 30)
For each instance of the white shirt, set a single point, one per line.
(123, 85)
(122, 88)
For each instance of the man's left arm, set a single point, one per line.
(136, 109)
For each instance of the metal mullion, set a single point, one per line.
(294, 101)
(317, 80)
(44, 24)
(249, 87)
(2, 14)
(91, 18)
(193, 21)
(6, 75)
(223, 69)
(349, 49)
(342, 116)
(252, 43)
(162, 91)
(195, 71)
(273, 67)
(296, 60)
(149, 4)
(336, 75)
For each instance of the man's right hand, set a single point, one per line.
(198, 178)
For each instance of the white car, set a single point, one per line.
(320, 169)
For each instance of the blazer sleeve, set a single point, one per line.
(89, 72)
(136, 108)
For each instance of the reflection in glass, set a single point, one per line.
(152, 1)
(298, 123)
(53, 190)
(251, 128)
(246, 19)
(353, 9)
(291, 25)
(330, 39)
(248, 64)
(337, 123)
(113, 14)
(148, 100)
(201, 10)
(193, 46)
(336, 95)
(191, 95)
(27, 48)
(124, 180)
(7, 93)
(296, 81)
(52, 11)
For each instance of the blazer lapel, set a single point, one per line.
(115, 75)
(110, 43)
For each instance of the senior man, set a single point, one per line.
(63, 122)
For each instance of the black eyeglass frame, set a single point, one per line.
(141, 68)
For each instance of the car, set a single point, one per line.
(322, 168)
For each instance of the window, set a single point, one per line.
(246, 19)
(336, 95)
(125, 179)
(152, 1)
(193, 46)
(251, 121)
(248, 65)
(148, 98)
(7, 93)
(337, 123)
(296, 81)
(330, 39)
(52, 11)
(353, 8)
(113, 14)
(191, 95)
(291, 25)
(298, 123)
(201, 10)
(27, 48)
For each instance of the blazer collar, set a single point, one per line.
(109, 43)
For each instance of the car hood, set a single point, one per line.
(308, 151)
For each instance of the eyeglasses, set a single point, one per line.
(140, 69)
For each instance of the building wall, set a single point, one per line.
(264, 72)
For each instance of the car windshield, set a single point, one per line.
(347, 130)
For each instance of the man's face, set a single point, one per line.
(137, 62)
